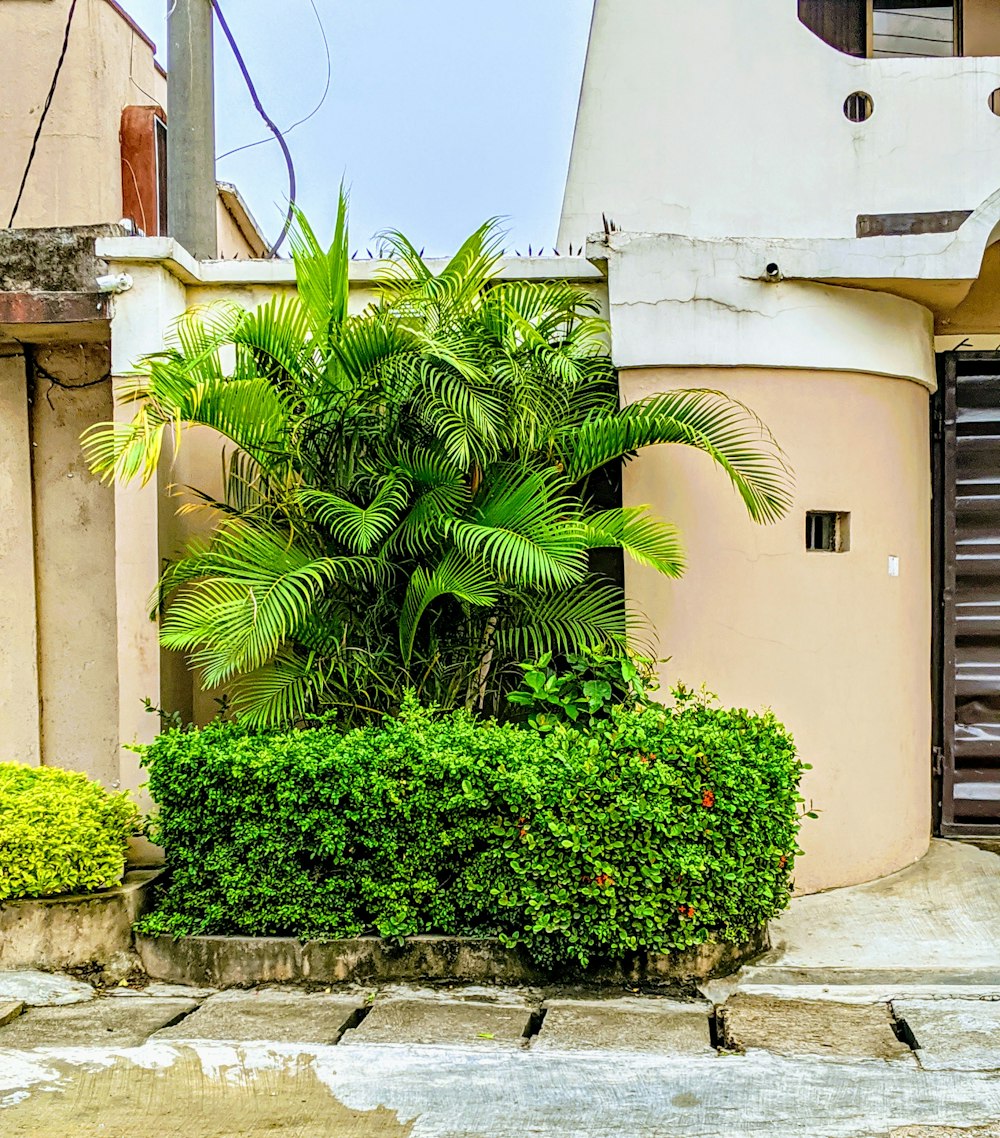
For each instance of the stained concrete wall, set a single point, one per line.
(18, 675)
(838, 647)
(74, 526)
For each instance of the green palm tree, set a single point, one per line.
(408, 496)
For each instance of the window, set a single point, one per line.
(828, 531)
(887, 29)
(905, 28)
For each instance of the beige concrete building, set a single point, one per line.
(71, 667)
(793, 201)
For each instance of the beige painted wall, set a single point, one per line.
(835, 645)
(77, 172)
(76, 176)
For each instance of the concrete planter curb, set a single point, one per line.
(223, 961)
(75, 930)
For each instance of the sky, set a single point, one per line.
(441, 113)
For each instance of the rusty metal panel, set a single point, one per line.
(968, 472)
(842, 24)
(906, 224)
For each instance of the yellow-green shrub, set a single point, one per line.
(59, 832)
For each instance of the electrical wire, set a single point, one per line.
(45, 111)
(315, 111)
(268, 122)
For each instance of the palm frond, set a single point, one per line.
(237, 599)
(360, 528)
(647, 540)
(726, 430)
(454, 576)
(565, 622)
(524, 527)
(322, 274)
(282, 691)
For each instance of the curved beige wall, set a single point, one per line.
(836, 646)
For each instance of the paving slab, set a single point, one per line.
(272, 1016)
(660, 1027)
(448, 1022)
(811, 1027)
(103, 1023)
(953, 1035)
(10, 1010)
(517, 997)
(43, 989)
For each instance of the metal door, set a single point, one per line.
(967, 585)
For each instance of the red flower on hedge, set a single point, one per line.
(708, 799)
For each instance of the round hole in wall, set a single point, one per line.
(859, 107)
(995, 102)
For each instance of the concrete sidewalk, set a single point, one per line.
(876, 1014)
(218, 1091)
(942, 913)
(931, 930)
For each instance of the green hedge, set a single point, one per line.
(663, 829)
(59, 832)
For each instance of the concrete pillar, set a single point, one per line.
(75, 564)
(141, 318)
(191, 189)
(18, 644)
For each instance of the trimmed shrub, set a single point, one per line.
(660, 830)
(60, 832)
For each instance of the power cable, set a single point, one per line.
(268, 122)
(315, 111)
(44, 114)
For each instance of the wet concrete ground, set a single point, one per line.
(481, 1063)
(877, 1014)
(212, 1091)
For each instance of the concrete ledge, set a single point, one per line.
(74, 930)
(221, 961)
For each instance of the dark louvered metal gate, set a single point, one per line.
(967, 586)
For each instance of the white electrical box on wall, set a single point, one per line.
(893, 565)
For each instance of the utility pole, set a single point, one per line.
(191, 187)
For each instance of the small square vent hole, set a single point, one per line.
(828, 531)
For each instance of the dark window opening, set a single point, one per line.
(827, 532)
(161, 177)
(859, 107)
